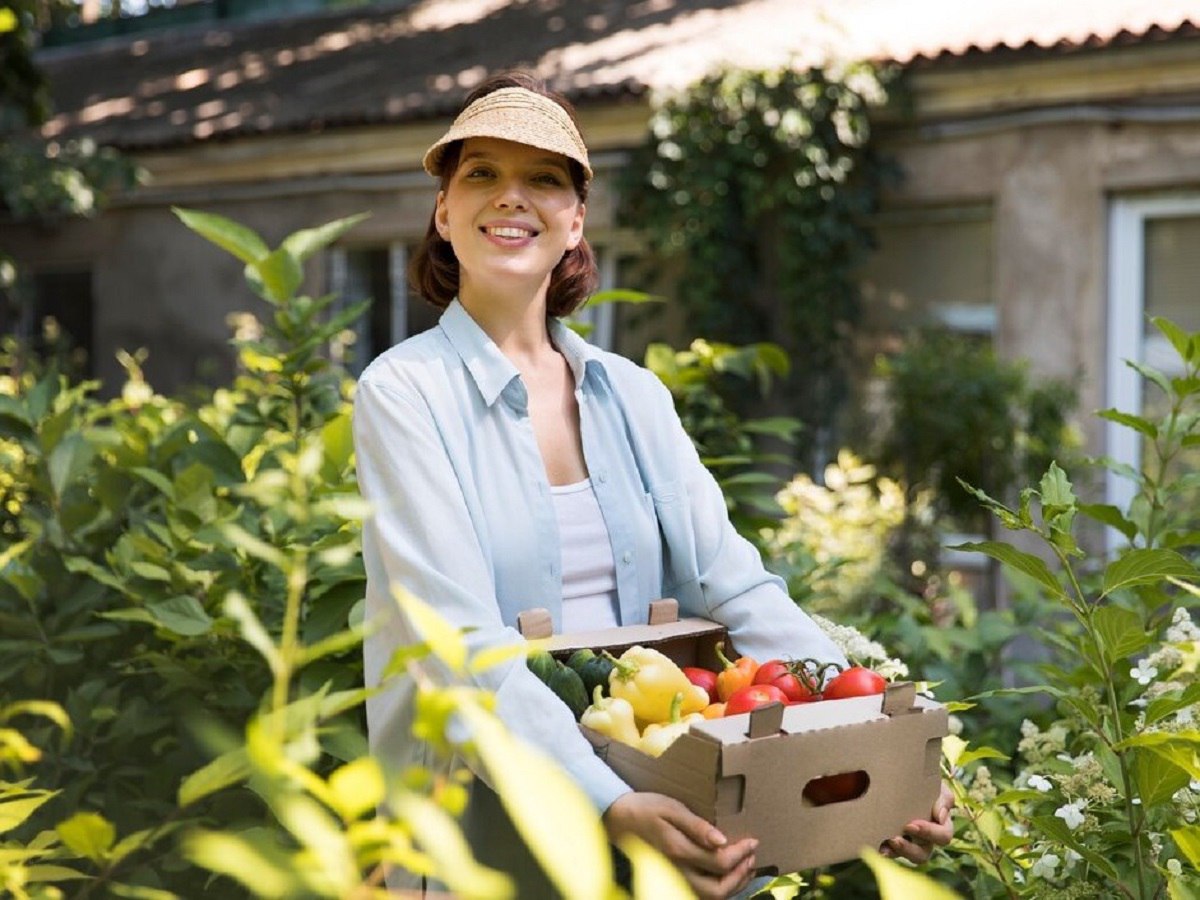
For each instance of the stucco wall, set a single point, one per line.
(1049, 185)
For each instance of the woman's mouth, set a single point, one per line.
(508, 231)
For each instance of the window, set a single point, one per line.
(380, 274)
(1153, 271)
(933, 267)
(55, 312)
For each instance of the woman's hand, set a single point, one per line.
(921, 836)
(713, 867)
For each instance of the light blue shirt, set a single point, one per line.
(464, 518)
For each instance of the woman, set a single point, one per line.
(512, 466)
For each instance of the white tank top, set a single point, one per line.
(589, 573)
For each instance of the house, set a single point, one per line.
(1051, 197)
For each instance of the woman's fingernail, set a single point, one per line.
(717, 839)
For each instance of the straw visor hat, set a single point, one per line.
(514, 114)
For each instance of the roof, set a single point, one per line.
(382, 64)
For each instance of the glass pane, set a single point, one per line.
(1172, 286)
(929, 272)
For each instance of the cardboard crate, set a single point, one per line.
(746, 774)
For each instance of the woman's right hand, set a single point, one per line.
(713, 867)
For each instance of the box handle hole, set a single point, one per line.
(837, 788)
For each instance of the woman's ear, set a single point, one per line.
(575, 235)
(441, 220)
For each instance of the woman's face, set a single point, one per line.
(510, 212)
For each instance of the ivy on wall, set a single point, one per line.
(757, 184)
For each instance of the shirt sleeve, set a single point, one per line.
(753, 604)
(420, 535)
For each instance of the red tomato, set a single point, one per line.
(836, 788)
(704, 678)
(855, 682)
(795, 689)
(752, 696)
(770, 670)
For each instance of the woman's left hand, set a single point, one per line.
(921, 836)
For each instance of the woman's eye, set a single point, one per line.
(549, 179)
(479, 172)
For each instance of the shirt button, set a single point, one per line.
(627, 557)
(602, 477)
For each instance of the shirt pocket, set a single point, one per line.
(676, 535)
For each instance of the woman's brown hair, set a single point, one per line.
(433, 271)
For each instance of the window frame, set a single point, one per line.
(1126, 311)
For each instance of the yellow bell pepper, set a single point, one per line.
(649, 681)
(658, 737)
(612, 717)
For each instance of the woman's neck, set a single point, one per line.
(517, 324)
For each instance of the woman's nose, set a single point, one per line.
(511, 195)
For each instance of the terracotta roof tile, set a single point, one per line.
(394, 63)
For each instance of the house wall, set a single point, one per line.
(1049, 184)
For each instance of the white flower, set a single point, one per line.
(1072, 813)
(1182, 629)
(1194, 785)
(1143, 672)
(1018, 830)
(1175, 867)
(1140, 702)
(1044, 867)
(1070, 860)
(1039, 783)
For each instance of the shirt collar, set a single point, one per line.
(491, 370)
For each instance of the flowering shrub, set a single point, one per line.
(1100, 797)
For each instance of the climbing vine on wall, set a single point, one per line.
(758, 185)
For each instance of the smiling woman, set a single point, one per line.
(511, 465)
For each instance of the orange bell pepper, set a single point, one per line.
(713, 711)
(735, 675)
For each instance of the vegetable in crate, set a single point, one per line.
(562, 680)
(612, 717)
(593, 668)
(649, 681)
(855, 682)
(659, 736)
(735, 675)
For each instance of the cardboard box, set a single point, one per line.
(746, 774)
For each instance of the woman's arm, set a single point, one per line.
(421, 536)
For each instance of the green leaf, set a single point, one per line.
(622, 295)
(183, 615)
(357, 787)
(1120, 631)
(252, 630)
(1144, 566)
(253, 545)
(440, 836)
(653, 874)
(304, 243)
(1023, 562)
(89, 834)
(1163, 706)
(1151, 374)
(68, 461)
(338, 441)
(1056, 829)
(1157, 779)
(254, 861)
(275, 278)
(1056, 489)
(898, 883)
(1137, 423)
(15, 811)
(1111, 516)
(49, 874)
(977, 753)
(571, 845)
(225, 233)
(1187, 839)
(443, 639)
(1179, 338)
(229, 768)
(139, 892)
